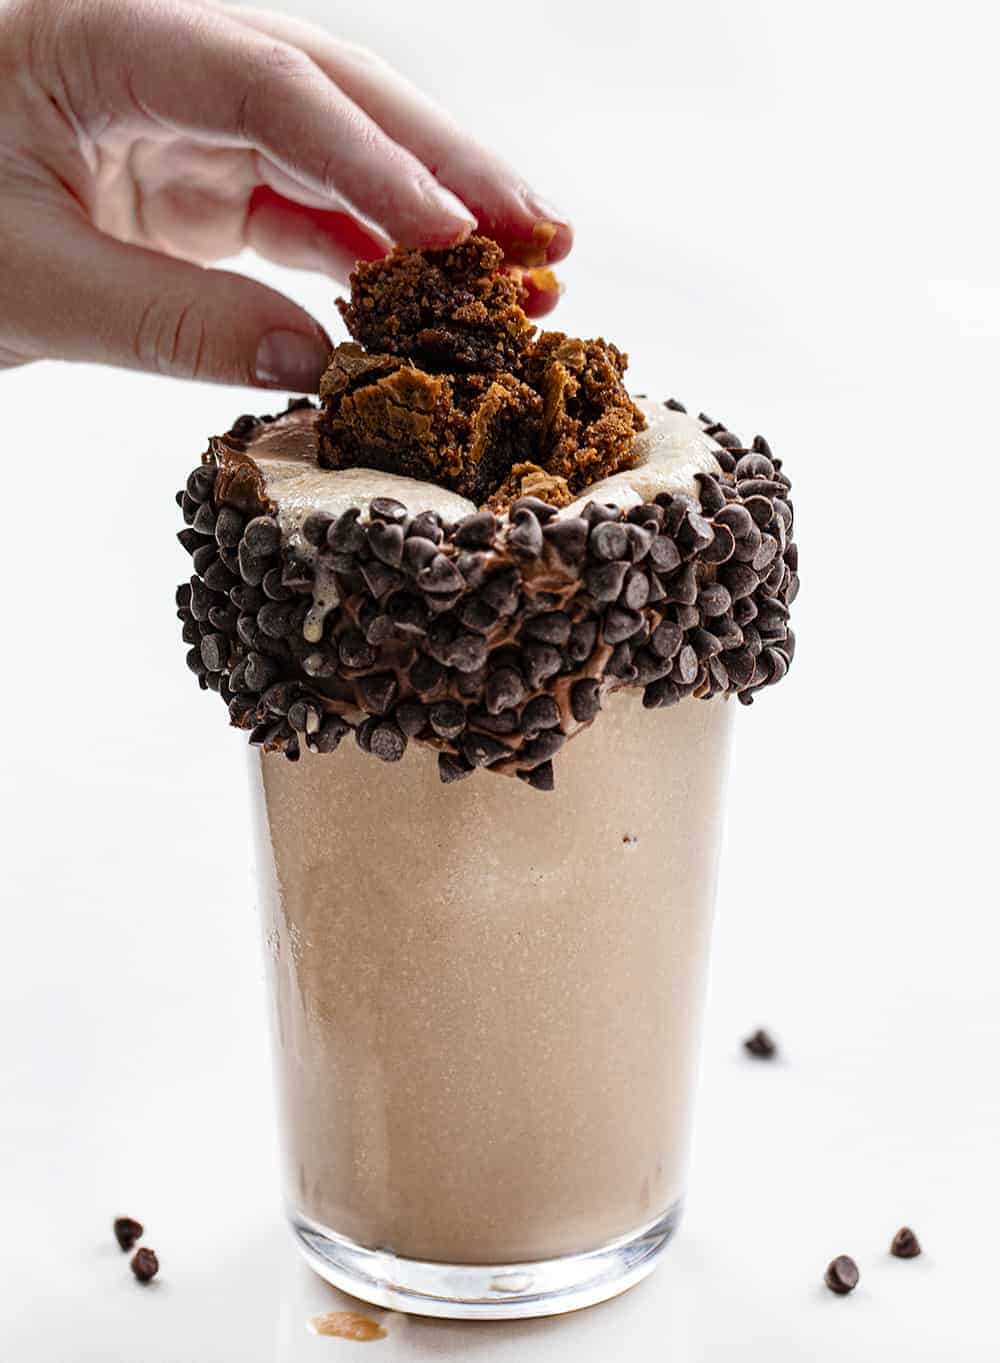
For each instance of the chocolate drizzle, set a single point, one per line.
(493, 640)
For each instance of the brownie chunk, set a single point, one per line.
(446, 310)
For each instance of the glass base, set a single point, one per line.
(484, 1291)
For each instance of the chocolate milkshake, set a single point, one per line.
(486, 619)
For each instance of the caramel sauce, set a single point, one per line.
(347, 1325)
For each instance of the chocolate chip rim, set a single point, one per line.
(492, 640)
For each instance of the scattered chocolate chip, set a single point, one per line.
(201, 483)
(905, 1244)
(145, 1265)
(315, 527)
(761, 1044)
(127, 1232)
(842, 1275)
(502, 591)
(411, 716)
(379, 578)
(585, 700)
(543, 746)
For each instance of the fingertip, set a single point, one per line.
(540, 289)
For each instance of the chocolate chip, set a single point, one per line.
(585, 700)
(189, 508)
(447, 718)
(428, 525)
(476, 531)
(761, 446)
(354, 650)
(682, 586)
(204, 556)
(714, 599)
(635, 592)
(540, 777)
(620, 624)
(480, 750)
(737, 519)
(315, 527)
(388, 742)
(201, 482)
(664, 554)
(192, 541)
(408, 613)
(476, 614)
(842, 1275)
(761, 1045)
(722, 547)
(596, 513)
(544, 746)
(363, 733)
(244, 426)
(660, 694)
(411, 716)
(640, 540)
(620, 664)
(218, 578)
(604, 580)
(582, 639)
(228, 527)
(540, 661)
(543, 510)
(303, 717)
(666, 639)
(765, 555)
(609, 541)
(418, 552)
(553, 627)
(905, 1244)
(145, 1265)
(275, 618)
(685, 667)
(569, 538)
(452, 768)
(739, 579)
(386, 542)
(674, 405)
(440, 575)
(252, 569)
(127, 1232)
(710, 493)
(332, 731)
(695, 533)
(540, 713)
(215, 652)
(759, 487)
(504, 690)
(525, 535)
(502, 591)
(378, 691)
(387, 509)
(345, 536)
(426, 674)
(754, 465)
(260, 672)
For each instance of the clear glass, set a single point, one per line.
(486, 1008)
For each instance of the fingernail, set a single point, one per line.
(291, 359)
(545, 211)
(451, 205)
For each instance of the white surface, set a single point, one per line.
(787, 215)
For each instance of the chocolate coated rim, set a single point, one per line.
(492, 641)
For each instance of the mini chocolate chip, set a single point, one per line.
(388, 742)
(541, 777)
(378, 691)
(411, 716)
(418, 552)
(542, 747)
(674, 405)
(761, 1045)
(440, 575)
(759, 487)
(252, 569)
(379, 629)
(476, 531)
(722, 547)
(640, 539)
(145, 1265)
(666, 639)
(620, 664)
(582, 639)
(380, 579)
(275, 618)
(502, 590)
(635, 592)
(714, 599)
(127, 1232)
(354, 650)
(754, 465)
(775, 658)
(569, 538)
(659, 694)
(192, 541)
(695, 533)
(345, 536)
(426, 674)
(189, 508)
(182, 596)
(452, 768)
(408, 613)
(427, 525)
(504, 690)
(609, 541)
(315, 527)
(664, 554)
(710, 493)
(540, 661)
(595, 513)
(201, 482)
(761, 446)
(905, 1244)
(387, 509)
(619, 624)
(842, 1275)
(551, 628)
(540, 713)
(685, 667)
(260, 672)
(481, 750)
(191, 633)
(215, 651)
(303, 717)
(543, 510)
(476, 614)
(604, 580)
(525, 535)
(228, 527)
(585, 700)
(682, 586)
(363, 733)
(204, 556)
(218, 578)
(386, 542)
(330, 735)
(447, 718)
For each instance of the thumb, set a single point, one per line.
(86, 296)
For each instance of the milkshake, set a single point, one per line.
(486, 619)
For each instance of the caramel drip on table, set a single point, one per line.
(347, 1325)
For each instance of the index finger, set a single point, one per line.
(531, 232)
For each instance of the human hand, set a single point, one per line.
(141, 139)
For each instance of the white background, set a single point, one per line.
(786, 212)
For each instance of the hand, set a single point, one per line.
(141, 139)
